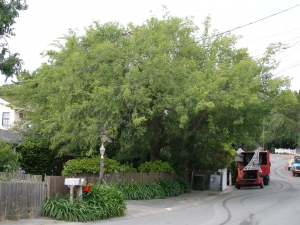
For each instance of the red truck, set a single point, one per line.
(253, 168)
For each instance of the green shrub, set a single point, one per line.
(92, 165)
(127, 168)
(171, 187)
(9, 161)
(107, 197)
(135, 191)
(37, 158)
(157, 190)
(156, 166)
(184, 185)
(103, 202)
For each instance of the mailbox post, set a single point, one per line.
(71, 183)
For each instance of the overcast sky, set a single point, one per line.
(48, 20)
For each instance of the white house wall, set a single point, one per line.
(13, 116)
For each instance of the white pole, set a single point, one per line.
(71, 193)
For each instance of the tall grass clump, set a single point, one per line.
(135, 191)
(171, 187)
(103, 202)
(184, 185)
(159, 190)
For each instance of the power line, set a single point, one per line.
(288, 54)
(286, 48)
(287, 68)
(285, 42)
(275, 14)
(270, 36)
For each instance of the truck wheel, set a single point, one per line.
(238, 186)
(266, 180)
(262, 185)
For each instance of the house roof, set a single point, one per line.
(10, 137)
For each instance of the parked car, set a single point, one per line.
(291, 160)
(296, 165)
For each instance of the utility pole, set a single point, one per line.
(263, 134)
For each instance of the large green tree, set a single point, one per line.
(283, 126)
(159, 90)
(10, 64)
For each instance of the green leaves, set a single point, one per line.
(156, 166)
(135, 191)
(9, 161)
(103, 202)
(92, 165)
(283, 126)
(10, 64)
(37, 158)
(171, 187)
(159, 189)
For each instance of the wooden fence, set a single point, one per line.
(117, 178)
(55, 184)
(20, 177)
(21, 200)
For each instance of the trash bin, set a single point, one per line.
(199, 182)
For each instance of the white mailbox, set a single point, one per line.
(74, 181)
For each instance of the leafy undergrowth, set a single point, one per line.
(103, 202)
(158, 190)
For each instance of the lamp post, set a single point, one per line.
(102, 151)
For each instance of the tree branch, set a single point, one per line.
(199, 121)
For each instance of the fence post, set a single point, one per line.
(47, 182)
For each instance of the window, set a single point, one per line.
(21, 115)
(5, 119)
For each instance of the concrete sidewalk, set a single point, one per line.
(138, 208)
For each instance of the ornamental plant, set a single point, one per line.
(103, 202)
(156, 166)
(157, 190)
(184, 185)
(171, 187)
(91, 165)
(136, 191)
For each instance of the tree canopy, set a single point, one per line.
(9, 160)
(164, 89)
(283, 126)
(10, 64)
